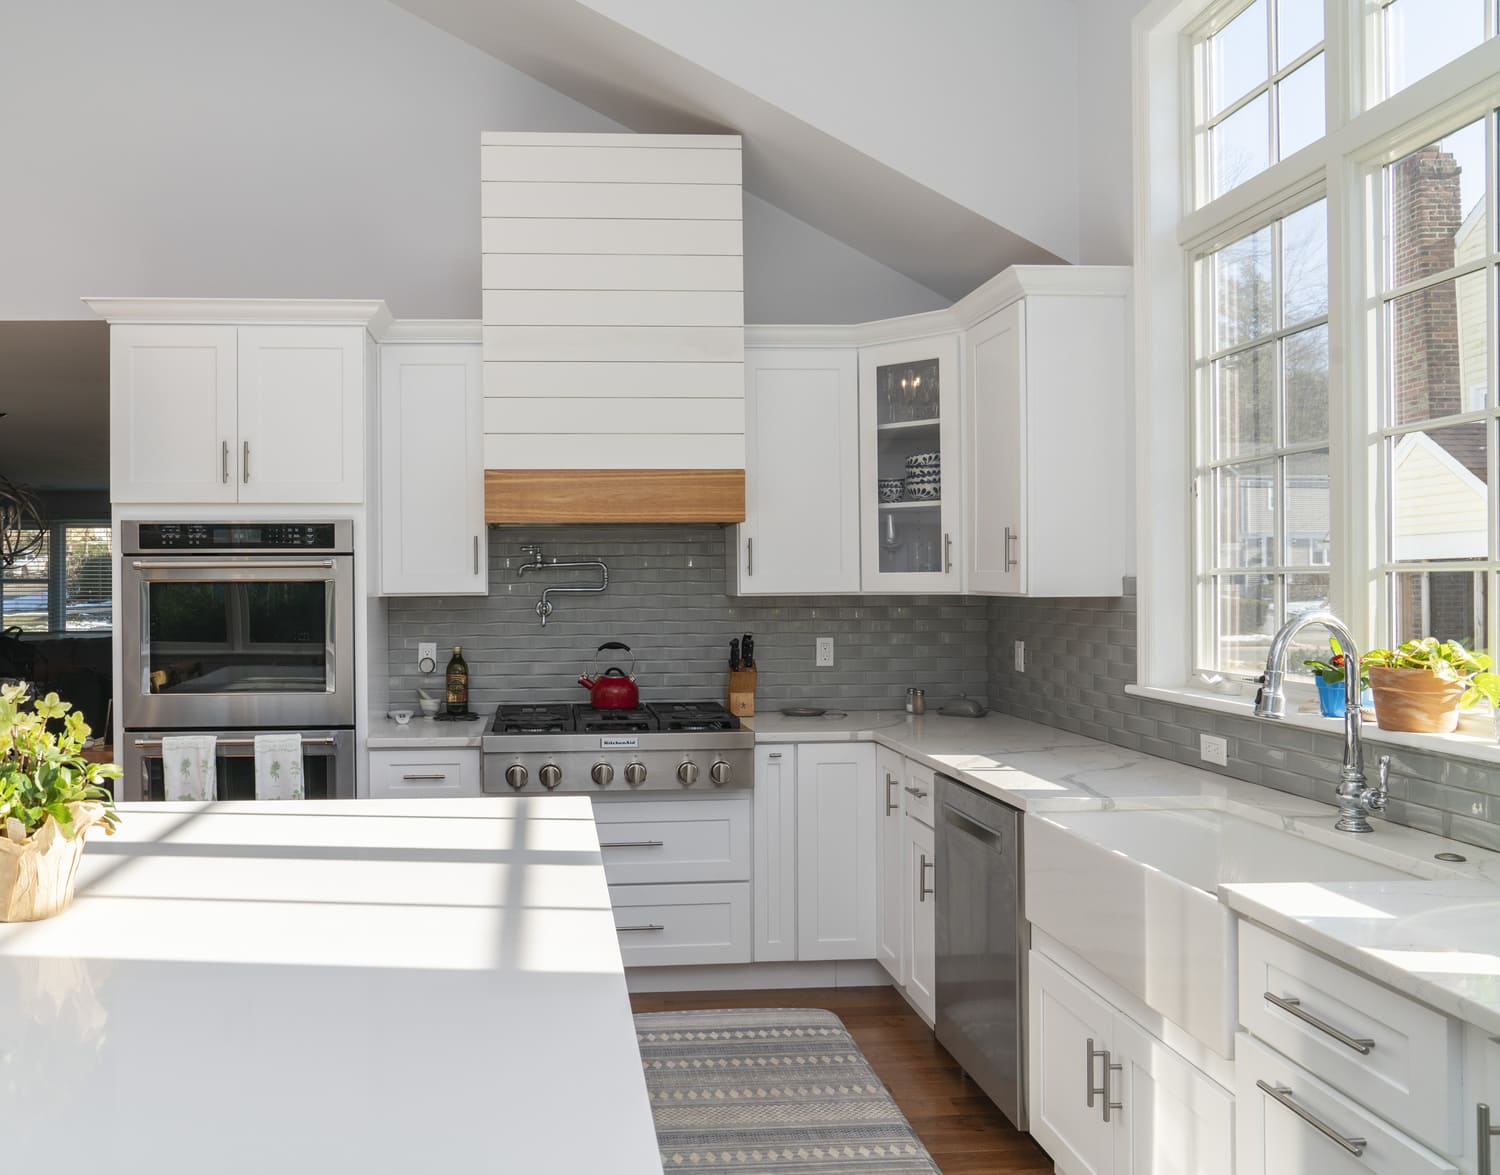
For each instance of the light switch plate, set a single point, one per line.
(825, 652)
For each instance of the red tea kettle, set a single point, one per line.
(614, 689)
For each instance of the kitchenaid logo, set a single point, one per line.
(618, 741)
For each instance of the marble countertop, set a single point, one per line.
(366, 985)
(387, 734)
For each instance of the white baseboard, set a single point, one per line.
(758, 976)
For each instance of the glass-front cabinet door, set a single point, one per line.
(910, 475)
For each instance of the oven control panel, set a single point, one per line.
(142, 537)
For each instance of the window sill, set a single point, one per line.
(1474, 740)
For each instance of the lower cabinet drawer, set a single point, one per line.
(423, 773)
(1400, 1058)
(667, 925)
(1287, 1122)
(648, 841)
(919, 784)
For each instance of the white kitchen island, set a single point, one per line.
(359, 986)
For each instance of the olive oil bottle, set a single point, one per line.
(458, 682)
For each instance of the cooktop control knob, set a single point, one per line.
(635, 774)
(602, 774)
(720, 773)
(687, 773)
(550, 775)
(515, 775)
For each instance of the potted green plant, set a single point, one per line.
(50, 796)
(1329, 676)
(1423, 684)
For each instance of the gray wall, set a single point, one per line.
(667, 600)
(1081, 653)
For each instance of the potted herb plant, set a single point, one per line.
(50, 796)
(1422, 684)
(1329, 676)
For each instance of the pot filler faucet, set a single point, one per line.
(1355, 797)
(538, 563)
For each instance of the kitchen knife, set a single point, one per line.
(747, 651)
(734, 655)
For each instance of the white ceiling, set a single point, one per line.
(802, 169)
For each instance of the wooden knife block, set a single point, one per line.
(741, 700)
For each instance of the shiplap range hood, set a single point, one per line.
(613, 277)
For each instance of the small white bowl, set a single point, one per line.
(429, 706)
(401, 717)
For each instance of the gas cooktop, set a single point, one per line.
(566, 718)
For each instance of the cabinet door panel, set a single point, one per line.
(775, 853)
(1177, 1121)
(997, 452)
(921, 922)
(837, 838)
(432, 531)
(173, 432)
(890, 940)
(1064, 1017)
(301, 408)
(801, 532)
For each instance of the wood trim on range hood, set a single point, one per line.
(614, 495)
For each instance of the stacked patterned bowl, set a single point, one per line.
(890, 488)
(924, 477)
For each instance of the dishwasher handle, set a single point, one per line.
(985, 836)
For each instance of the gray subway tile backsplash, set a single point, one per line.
(667, 599)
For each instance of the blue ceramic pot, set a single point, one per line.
(1331, 697)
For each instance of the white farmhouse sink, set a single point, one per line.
(1135, 893)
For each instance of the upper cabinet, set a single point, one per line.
(203, 412)
(432, 530)
(613, 313)
(910, 466)
(1047, 510)
(801, 474)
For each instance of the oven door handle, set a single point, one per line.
(320, 741)
(225, 565)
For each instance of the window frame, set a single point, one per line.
(1362, 135)
(57, 581)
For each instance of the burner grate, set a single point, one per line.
(591, 721)
(556, 718)
(694, 716)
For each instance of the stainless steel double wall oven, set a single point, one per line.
(234, 629)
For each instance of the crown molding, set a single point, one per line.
(373, 315)
(434, 330)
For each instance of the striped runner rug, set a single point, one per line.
(770, 1091)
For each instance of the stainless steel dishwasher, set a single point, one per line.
(982, 939)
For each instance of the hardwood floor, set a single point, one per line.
(961, 1127)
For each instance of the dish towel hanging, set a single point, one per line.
(187, 766)
(278, 767)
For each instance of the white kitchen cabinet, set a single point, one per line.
(890, 933)
(207, 413)
(1107, 1097)
(909, 409)
(301, 413)
(801, 529)
(433, 539)
(838, 813)
(1278, 1106)
(682, 925)
(921, 918)
(775, 847)
(172, 427)
(1046, 436)
(423, 773)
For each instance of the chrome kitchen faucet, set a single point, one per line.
(1356, 798)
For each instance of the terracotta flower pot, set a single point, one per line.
(1415, 700)
(37, 876)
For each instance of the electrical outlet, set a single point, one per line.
(427, 651)
(1020, 656)
(825, 652)
(1213, 749)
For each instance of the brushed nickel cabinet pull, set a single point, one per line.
(1092, 1090)
(1293, 1007)
(1486, 1135)
(631, 844)
(923, 893)
(643, 926)
(225, 460)
(433, 775)
(891, 805)
(947, 552)
(750, 556)
(1010, 537)
(245, 463)
(1283, 1095)
(476, 554)
(918, 792)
